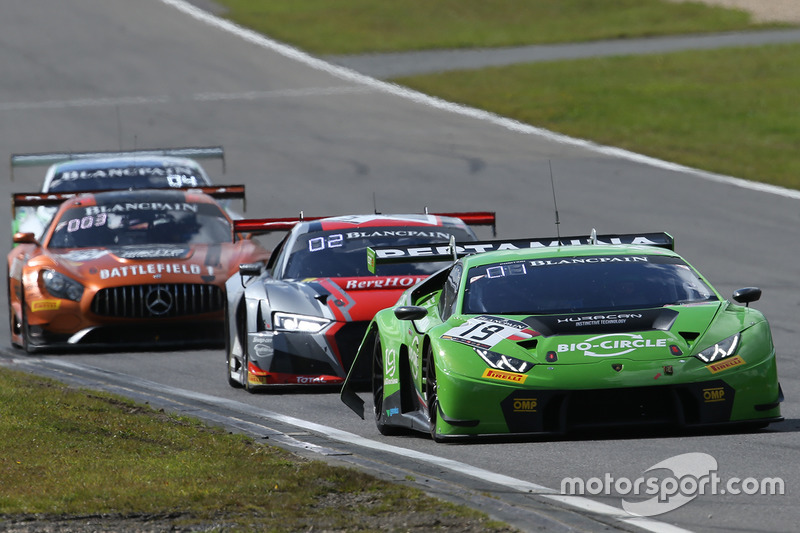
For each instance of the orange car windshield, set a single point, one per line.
(185, 223)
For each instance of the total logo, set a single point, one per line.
(612, 344)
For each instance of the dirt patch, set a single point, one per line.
(181, 523)
(762, 10)
(144, 523)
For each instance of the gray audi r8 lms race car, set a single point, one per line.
(299, 319)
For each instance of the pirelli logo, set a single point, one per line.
(256, 380)
(725, 364)
(45, 305)
(717, 394)
(504, 376)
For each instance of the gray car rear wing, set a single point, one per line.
(268, 225)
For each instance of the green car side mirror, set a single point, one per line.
(410, 312)
(747, 295)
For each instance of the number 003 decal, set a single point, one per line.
(486, 331)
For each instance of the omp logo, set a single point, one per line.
(504, 376)
(716, 394)
(725, 364)
(612, 344)
(525, 405)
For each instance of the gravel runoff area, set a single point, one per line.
(762, 10)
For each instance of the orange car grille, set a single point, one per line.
(158, 301)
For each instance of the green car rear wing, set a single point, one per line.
(454, 250)
(45, 158)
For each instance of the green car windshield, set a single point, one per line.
(582, 284)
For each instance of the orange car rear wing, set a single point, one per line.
(45, 158)
(39, 199)
(269, 225)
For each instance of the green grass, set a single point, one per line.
(69, 452)
(357, 26)
(731, 111)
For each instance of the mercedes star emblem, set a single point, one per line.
(158, 301)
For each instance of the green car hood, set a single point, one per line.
(641, 335)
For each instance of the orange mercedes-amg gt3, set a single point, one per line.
(126, 268)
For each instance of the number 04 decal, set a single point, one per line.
(486, 331)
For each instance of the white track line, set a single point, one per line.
(513, 125)
(197, 97)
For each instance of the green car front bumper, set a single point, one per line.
(556, 399)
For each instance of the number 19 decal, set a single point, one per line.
(484, 331)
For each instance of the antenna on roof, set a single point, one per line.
(374, 204)
(426, 210)
(119, 129)
(452, 248)
(555, 204)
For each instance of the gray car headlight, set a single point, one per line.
(61, 286)
(720, 350)
(499, 361)
(293, 322)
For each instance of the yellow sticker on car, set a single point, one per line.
(725, 364)
(45, 305)
(504, 376)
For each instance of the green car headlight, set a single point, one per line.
(61, 286)
(499, 361)
(720, 350)
(303, 323)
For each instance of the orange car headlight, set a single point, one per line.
(62, 286)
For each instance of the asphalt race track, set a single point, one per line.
(305, 135)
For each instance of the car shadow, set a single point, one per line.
(791, 425)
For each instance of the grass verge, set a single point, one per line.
(357, 26)
(731, 111)
(69, 452)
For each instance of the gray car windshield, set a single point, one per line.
(579, 284)
(88, 227)
(339, 253)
